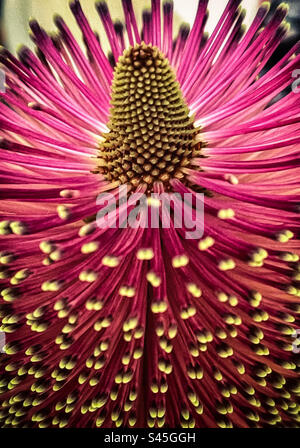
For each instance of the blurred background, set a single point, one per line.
(14, 16)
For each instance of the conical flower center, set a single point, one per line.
(152, 135)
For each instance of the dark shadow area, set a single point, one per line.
(293, 37)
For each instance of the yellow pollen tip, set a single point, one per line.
(159, 307)
(89, 248)
(88, 276)
(194, 290)
(145, 254)
(63, 212)
(180, 261)
(127, 291)
(206, 243)
(226, 213)
(153, 279)
(227, 265)
(111, 262)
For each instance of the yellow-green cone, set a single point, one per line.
(151, 134)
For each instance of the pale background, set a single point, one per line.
(17, 13)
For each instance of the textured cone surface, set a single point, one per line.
(151, 134)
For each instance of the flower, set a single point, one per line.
(142, 327)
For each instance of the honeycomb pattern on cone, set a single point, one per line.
(151, 135)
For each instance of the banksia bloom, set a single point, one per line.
(110, 326)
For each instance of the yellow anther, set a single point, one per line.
(231, 179)
(130, 324)
(222, 297)
(201, 337)
(159, 307)
(111, 262)
(11, 367)
(285, 236)
(88, 276)
(63, 212)
(67, 329)
(11, 319)
(73, 318)
(150, 423)
(6, 257)
(59, 305)
(51, 285)
(55, 255)
(145, 254)
(209, 336)
(94, 381)
(5, 227)
(180, 261)
(186, 313)
(165, 366)
(255, 298)
(256, 264)
(293, 290)
(206, 243)
(194, 351)
(153, 202)
(290, 257)
(193, 398)
(226, 265)
(132, 421)
(139, 333)
(221, 333)
(118, 378)
(89, 248)
(69, 193)
(164, 388)
(133, 395)
(154, 279)
(194, 290)
(38, 312)
(226, 213)
(195, 373)
(259, 256)
(40, 327)
(127, 291)
(60, 405)
(172, 331)
(87, 229)
(9, 294)
(63, 423)
(225, 351)
(185, 414)
(127, 377)
(104, 345)
(4, 274)
(94, 304)
(154, 388)
(18, 228)
(125, 360)
(233, 300)
(22, 274)
(138, 353)
(160, 329)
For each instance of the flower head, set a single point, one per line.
(140, 326)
